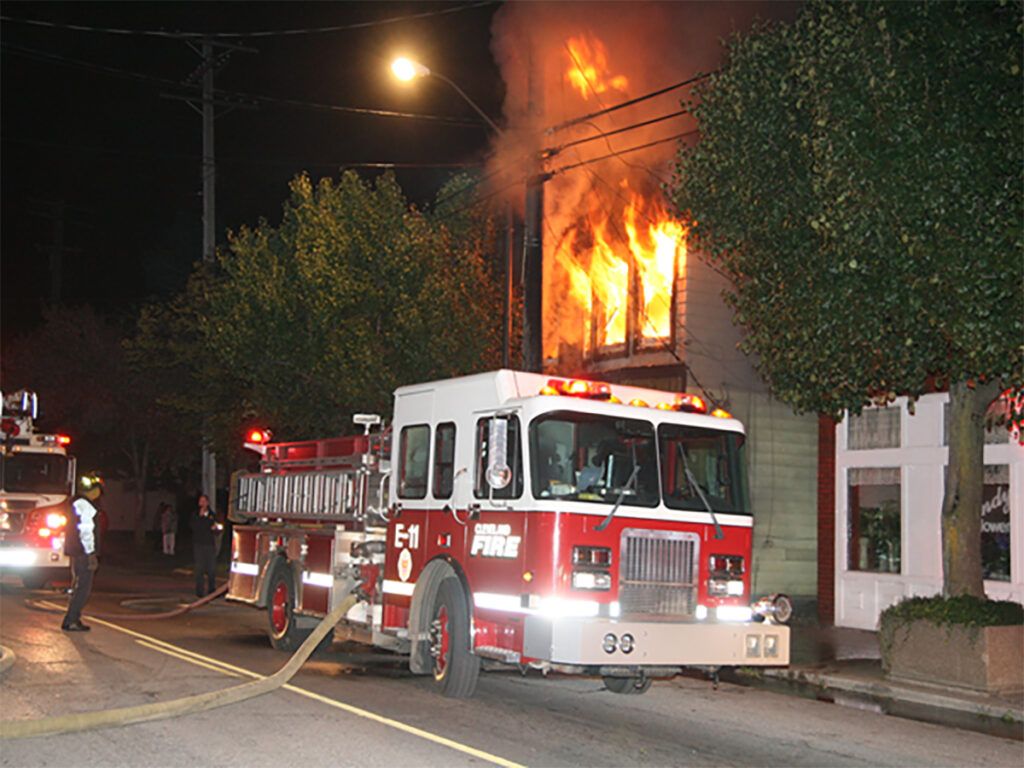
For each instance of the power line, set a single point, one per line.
(565, 168)
(547, 153)
(265, 33)
(227, 95)
(629, 103)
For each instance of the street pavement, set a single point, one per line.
(827, 663)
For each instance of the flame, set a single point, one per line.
(612, 274)
(588, 68)
(654, 246)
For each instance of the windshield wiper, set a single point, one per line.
(700, 492)
(622, 494)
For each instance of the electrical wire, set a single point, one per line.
(565, 168)
(629, 103)
(266, 33)
(552, 151)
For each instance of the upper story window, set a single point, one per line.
(874, 428)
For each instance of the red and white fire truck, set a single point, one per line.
(37, 481)
(566, 525)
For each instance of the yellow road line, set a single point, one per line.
(229, 669)
(183, 657)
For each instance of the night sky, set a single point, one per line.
(102, 157)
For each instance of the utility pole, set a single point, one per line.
(205, 71)
(533, 242)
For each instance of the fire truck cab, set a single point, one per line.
(536, 521)
(37, 480)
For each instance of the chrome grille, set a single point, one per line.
(658, 573)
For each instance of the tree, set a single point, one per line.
(858, 177)
(302, 324)
(77, 365)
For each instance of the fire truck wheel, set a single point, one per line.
(627, 685)
(281, 624)
(34, 580)
(455, 667)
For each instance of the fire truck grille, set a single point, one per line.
(658, 573)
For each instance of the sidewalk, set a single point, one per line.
(844, 666)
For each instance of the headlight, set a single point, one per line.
(733, 613)
(596, 580)
(725, 587)
(726, 565)
(771, 645)
(626, 644)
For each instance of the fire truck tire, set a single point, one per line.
(282, 626)
(627, 685)
(456, 669)
(35, 579)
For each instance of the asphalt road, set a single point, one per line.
(352, 706)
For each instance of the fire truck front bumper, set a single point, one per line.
(617, 642)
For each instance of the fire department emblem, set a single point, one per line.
(405, 564)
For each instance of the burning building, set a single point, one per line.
(594, 119)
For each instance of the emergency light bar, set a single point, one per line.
(256, 440)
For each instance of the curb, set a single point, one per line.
(940, 707)
(7, 658)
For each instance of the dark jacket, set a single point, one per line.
(203, 528)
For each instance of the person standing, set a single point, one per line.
(204, 530)
(81, 544)
(168, 526)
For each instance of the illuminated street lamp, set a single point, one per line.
(407, 69)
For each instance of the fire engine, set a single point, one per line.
(37, 481)
(540, 522)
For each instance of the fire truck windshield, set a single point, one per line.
(582, 457)
(34, 473)
(702, 468)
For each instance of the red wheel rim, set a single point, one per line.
(441, 662)
(279, 608)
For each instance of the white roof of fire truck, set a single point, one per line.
(495, 390)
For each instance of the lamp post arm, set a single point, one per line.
(469, 101)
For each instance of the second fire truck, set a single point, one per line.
(37, 480)
(542, 522)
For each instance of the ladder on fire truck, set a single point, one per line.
(349, 488)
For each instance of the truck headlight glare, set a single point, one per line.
(598, 580)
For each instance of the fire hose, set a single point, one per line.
(71, 723)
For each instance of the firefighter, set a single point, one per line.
(81, 544)
(205, 529)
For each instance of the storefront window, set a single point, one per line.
(873, 526)
(995, 523)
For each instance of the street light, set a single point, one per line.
(407, 69)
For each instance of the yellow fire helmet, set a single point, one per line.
(92, 486)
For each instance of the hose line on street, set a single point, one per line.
(144, 616)
(48, 726)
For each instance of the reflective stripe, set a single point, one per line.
(392, 587)
(547, 606)
(245, 569)
(496, 602)
(318, 579)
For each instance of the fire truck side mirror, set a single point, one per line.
(366, 421)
